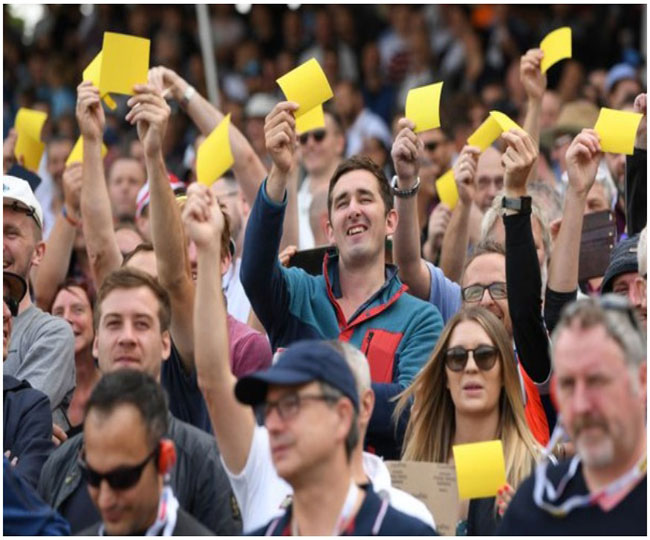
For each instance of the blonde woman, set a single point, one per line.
(469, 391)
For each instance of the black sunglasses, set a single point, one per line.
(120, 478)
(12, 304)
(318, 135)
(432, 145)
(485, 356)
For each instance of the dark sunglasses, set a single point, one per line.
(12, 304)
(318, 135)
(485, 356)
(120, 478)
(474, 293)
(432, 145)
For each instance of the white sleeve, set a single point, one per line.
(258, 489)
(409, 505)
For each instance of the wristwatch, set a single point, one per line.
(187, 95)
(520, 204)
(404, 193)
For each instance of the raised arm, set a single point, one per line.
(582, 158)
(56, 262)
(233, 423)
(151, 113)
(406, 240)
(97, 217)
(248, 168)
(534, 83)
(456, 238)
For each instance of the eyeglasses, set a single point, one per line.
(289, 405)
(120, 478)
(485, 356)
(12, 304)
(474, 293)
(318, 135)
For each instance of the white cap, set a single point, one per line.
(16, 191)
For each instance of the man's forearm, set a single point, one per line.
(532, 127)
(455, 242)
(97, 215)
(406, 246)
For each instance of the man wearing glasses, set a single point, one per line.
(126, 461)
(309, 402)
(599, 359)
(42, 348)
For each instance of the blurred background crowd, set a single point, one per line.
(376, 52)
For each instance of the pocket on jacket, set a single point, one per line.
(379, 346)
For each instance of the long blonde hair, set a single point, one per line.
(431, 427)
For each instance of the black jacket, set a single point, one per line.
(27, 427)
(186, 525)
(198, 480)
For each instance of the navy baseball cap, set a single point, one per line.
(301, 363)
(622, 261)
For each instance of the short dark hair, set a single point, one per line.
(136, 388)
(81, 283)
(484, 248)
(363, 163)
(145, 246)
(132, 278)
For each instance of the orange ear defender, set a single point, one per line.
(166, 456)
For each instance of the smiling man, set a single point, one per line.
(359, 298)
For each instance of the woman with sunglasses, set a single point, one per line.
(469, 392)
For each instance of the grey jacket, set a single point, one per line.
(198, 480)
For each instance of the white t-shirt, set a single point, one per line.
(238, 304)
(260, 492)
(305, 234)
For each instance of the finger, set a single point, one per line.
(146, 98)
(405, 123)
(283, 106)
(282, 117)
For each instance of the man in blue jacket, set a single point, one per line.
(27, 419)
(358, 298)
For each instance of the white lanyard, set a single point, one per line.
(344, 516)
(165, 517)
(544, 487)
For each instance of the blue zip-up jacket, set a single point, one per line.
(395, 330)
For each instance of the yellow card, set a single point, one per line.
(447, 189)
(423, 106)
(313, 119)
(91, 73)
(306, 85)
(124, 63)
(504, 121)
(556, 47)
(617, 130)
(480, 469)
(214, 156)
(77, 153)
(29, 124)
(488, 132)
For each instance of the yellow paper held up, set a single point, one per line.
(423, 106)
(29, 124)
(556, 47)
(92, 72)
(214, 156)
(313, 119)
(77, 153)
(124, 63)
(490, 130)
(447, 189)
(480, 469)
(307, 85)
(617, 130)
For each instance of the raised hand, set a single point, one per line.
(150, 112)
(582, 159)
(280, 135)
(518, 159)
(89, 112)
(406, 151)
(203, 217)
(168, 82)
(72, 182)
(465, 173)
(640, 106)
(531, 75)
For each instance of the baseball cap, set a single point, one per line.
(622, 261)
(303, 362)
(16, 288)
(618, 73)
(17, 194)
(573, 118)
(142, 200)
